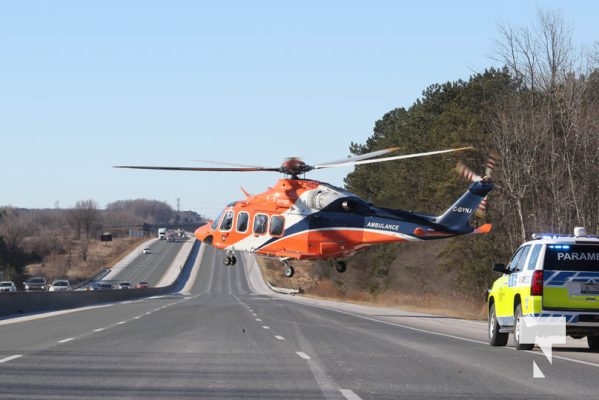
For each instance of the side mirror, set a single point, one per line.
(499, 267)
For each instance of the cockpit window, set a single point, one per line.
(227, 221)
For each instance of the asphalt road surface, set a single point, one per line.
(148, 267)
(230, 339)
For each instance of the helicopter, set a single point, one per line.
(304, 219)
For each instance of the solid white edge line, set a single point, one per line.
(349, 394)
(50, 314)
(7, 359)
(303, 355)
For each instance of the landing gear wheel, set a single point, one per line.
(340, 266)
(519, 326)
(288, 271)
(230, 258)
(496, 338)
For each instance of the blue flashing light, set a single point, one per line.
(559, 246)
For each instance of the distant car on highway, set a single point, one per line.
(36, 283)
(100, 286)
(124, 285)
(146, 250)
(142, 285)
(60, 285)
(7, 286)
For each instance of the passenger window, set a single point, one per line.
(534, 256)
(242, 221)
(260, 222)
(276, 225)
(227, 221)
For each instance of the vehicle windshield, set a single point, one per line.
(36, 280)
(572, 257)
(59, 283)
(5, 284)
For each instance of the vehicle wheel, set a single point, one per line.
(593, 342)
(340, 266)
(519, 326)
(496, 338)
(227, 260)
(233, 260)
(288, 271)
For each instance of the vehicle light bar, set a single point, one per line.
(579, 232)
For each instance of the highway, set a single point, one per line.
(147, 267)
(230, 339)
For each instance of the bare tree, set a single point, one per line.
(84, 216)
(547, 135)
(13, 228)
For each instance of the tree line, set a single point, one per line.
(60, 239)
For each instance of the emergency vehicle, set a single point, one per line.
(551, 276)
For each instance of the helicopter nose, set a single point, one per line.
(204, 233)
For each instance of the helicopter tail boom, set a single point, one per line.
(455, 218)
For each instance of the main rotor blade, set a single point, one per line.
(358, 158)
(360, 162)
(214, 169)
(230, 164)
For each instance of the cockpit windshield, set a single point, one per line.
(217, 220)
(227, 221)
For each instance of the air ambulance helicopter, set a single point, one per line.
(302, 219)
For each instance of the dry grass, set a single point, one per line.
(316, 281)
(73, 267)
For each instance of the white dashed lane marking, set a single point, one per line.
(349, 395)
(303, 355)
(7, 359)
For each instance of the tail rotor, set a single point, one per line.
(471, 176)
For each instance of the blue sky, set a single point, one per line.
(87, 85)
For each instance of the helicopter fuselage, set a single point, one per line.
(306, 219)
